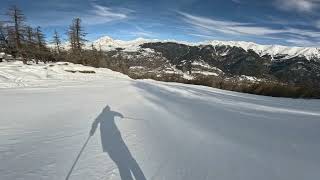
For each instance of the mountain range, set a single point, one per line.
(108, 43)
(228, 59)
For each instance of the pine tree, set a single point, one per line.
(30, 44)
(76, 35)
(43, 52)
(17, 28)
(4, 42)
(40, 38)
(57, 42)
(30, 39)
(71, 36)
(79, 34)
(77, 40)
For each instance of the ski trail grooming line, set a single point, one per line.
(75, 162)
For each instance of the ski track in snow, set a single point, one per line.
(176, 131)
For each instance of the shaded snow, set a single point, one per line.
(248, 78)
(173, 131)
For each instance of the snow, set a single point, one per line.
(249, 78)
(137, 67)
(207, 73)
(16, 74)
(108, 44)
(205, 65)
(2, 54)
(171, 130)
(187, 76)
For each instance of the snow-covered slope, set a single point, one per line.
(169, 131)
(107, 43)
(16, 74)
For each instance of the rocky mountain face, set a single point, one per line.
(301, 66)
(235, 61)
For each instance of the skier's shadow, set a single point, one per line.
(113, 144)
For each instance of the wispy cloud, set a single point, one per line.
(299, 42)
(317, 24)
(203, 36)
(138, 31)
(141, 34)
(227, 27)
(102, 14)
(106, 12)
(304, 6)
(236, 1)
(93, 15)
(210, 26)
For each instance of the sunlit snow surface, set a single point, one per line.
(176, 131)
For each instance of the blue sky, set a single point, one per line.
(287, 22)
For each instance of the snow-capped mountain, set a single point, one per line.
(272, 50)
(296, 65)
(107, 43)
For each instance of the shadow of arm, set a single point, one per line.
(119, 115)
(94, 126)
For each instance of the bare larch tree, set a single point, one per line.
(17, 20)
(57, 41)
(77, 35)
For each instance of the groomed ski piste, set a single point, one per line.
(153, 130)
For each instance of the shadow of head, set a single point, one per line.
(106, 109)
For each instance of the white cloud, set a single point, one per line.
(236, 1)
(305, 6)
(209, 26)
(107, 12)
(102, 14)
(227, 27)
(203, 36)
(317, 24)
(303, 42)
(141, 32)
(136, 31)
(96, 14)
